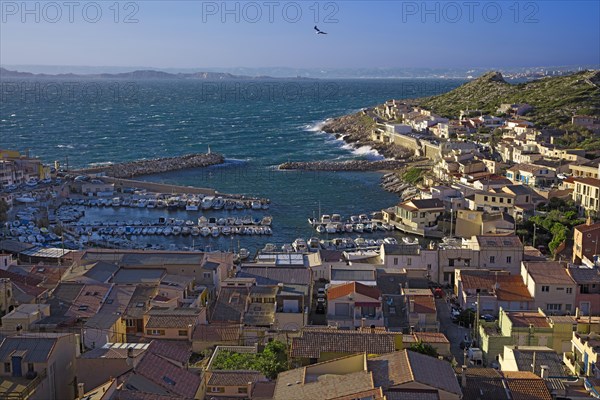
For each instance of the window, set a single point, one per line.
(395, 260)
(569, 290)
(156, 332)
(242, 390)
(368, 311)
(206, 275)
(545, 288)
(392, 310)
(508, 259)
(492, 259)
(485, 198)
(6, 367)
(493, 199)
(215, 389)
(509, 201)
(451, 262)
(408, 261)
(29, 367)
(553, 307)
(501, 199)
(567, 307)
(428, 266)
(182, 332)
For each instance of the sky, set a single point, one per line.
(361, 34)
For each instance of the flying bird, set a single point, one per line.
(319, 32)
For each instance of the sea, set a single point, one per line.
(256, 125)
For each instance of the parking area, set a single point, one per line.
(318, 314)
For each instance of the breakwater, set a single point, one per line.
(351, 165)
(155, 166)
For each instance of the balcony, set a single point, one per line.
(13, 388)
(576, 367)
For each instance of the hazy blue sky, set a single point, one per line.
(189, 34)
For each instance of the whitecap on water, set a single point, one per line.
(315, 127)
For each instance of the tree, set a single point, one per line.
(3, 211)
(424, 348)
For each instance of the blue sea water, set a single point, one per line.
(255, 125)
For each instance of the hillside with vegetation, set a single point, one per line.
(555, 99)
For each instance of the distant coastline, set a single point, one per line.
(147, 74)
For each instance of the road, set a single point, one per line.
(453, 332)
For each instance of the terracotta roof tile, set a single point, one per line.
(335, 292)
(527, 388)
(234, 378)
(407, 366)
(171, 349)
(548, 272)
(312, 342)
(168, 376)
(218, 332)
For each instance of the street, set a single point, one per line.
(453, 332)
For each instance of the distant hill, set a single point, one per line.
(555, 99)
(140, 74)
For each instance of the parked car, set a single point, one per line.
(487, 317)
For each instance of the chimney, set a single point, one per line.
(463, 377)
(544, 372)
(411, 305)
(130, 352)
(577, 312)
(533, 363)
(372, 328)
(80, 390)
(362, 323)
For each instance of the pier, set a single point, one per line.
(351, 165)
(155, 166)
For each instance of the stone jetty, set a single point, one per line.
(351, 165)
(155, 166)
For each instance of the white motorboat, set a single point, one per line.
(410, 241)
(207, 202)
(299, 245)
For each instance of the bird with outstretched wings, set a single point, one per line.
(319, 32)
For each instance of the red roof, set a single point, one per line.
(588, 181)
(335, 292)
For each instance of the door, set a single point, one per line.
(585, 307)
(16, 367)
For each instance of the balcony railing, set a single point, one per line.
(27, 391)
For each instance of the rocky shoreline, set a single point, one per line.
(355, 129)
(156, 166)
(351, 165)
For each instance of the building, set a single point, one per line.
(540, 360)
(24, 316)
(532, 175)
(494, 289)
(38, 366)
(421, 311)
(322, 344)
(409, 375)
(112, 359)
(471, 223)
(587, 169)
(584, 359)
(173, 323)
(587, 293)
(342, 378)
(549, 283)
(498, 252)
(353, 305)
(418, 216)
(489, 383)
(587, 195)
(229, 383)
